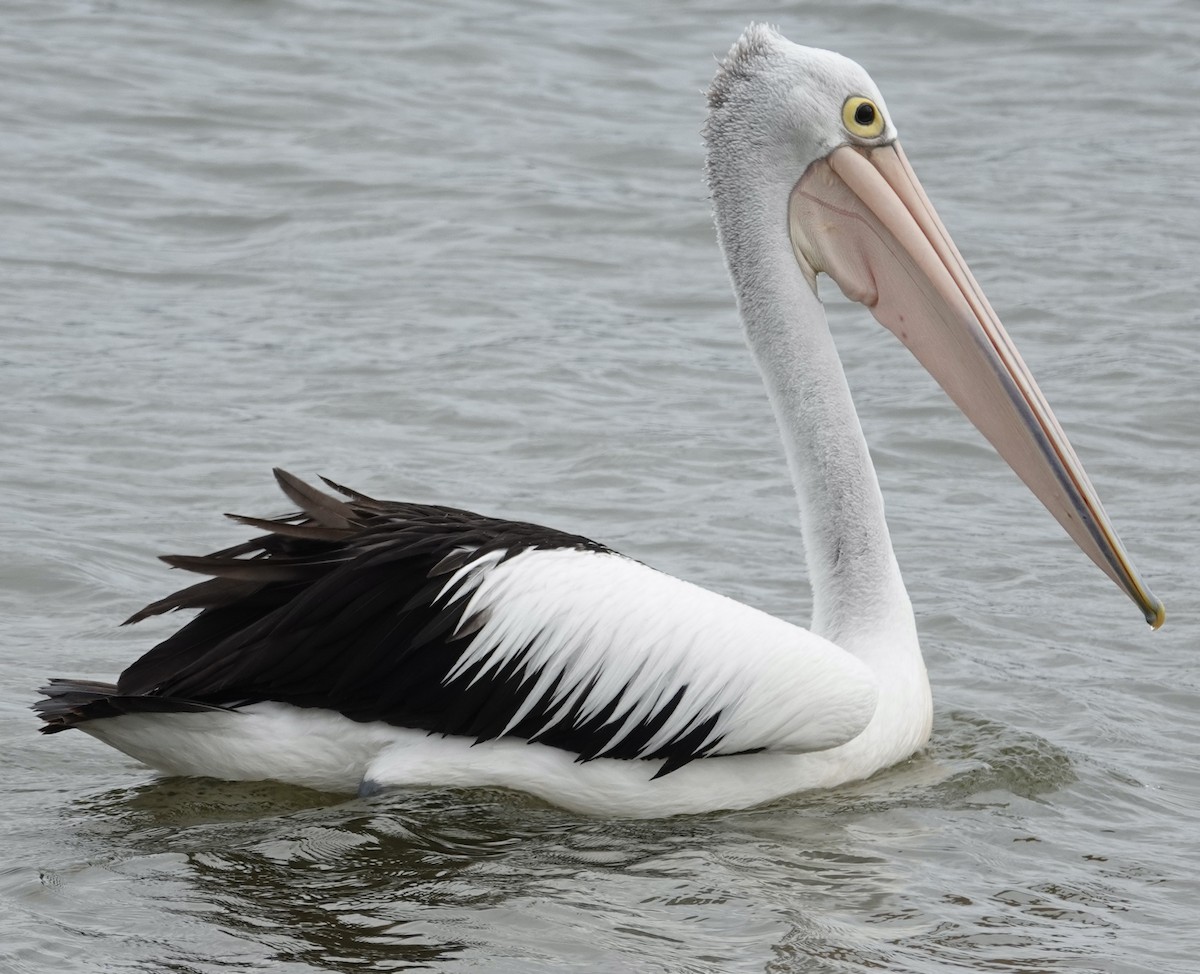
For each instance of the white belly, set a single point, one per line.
(326, 751)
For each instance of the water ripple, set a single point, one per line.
(462, 252)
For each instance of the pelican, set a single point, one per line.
(360, 644)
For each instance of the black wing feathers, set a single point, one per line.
(338, 606)
(70, 702)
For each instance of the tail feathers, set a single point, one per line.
(69, 703)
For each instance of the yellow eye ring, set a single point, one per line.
(862, 117)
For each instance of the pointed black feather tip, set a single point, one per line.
(672, 764)
(323, 508)
(244, 569)
(285, 528)
(202, 595)
(69, 703)
(355, 495)
(453, 561)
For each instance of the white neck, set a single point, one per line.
(858, 594)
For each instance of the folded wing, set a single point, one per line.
(450, 622)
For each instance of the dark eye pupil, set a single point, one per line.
(864, 114)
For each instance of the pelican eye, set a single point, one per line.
(862, 117)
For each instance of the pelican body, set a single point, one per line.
(362, 644)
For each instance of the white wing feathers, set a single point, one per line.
(595, 630)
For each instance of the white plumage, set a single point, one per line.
(768, 684)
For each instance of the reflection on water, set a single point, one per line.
(415, 877)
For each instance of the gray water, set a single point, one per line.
(462, 252)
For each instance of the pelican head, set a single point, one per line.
(802, 148)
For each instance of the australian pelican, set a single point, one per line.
(362, 644)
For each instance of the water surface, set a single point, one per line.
(462, 252)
